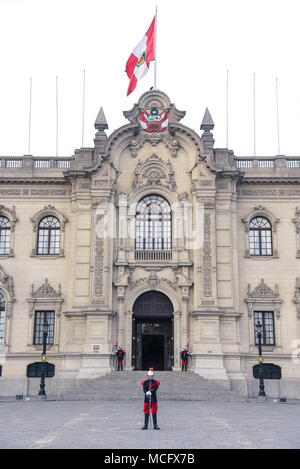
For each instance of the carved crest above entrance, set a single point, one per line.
(154, 172)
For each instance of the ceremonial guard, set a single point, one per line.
(185, 354)
(150, 386)
(120, 353)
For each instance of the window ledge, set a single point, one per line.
(260, 258)
(47, 256)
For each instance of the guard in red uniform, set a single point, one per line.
(150, 386)
(184, 358)
(120, 357)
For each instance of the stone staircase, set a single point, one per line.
(126, 385)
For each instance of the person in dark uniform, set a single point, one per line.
(120, 357)
(184, 358)
(150, 386)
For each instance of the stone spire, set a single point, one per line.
(100, 125)
(207, 125)
(207, 122)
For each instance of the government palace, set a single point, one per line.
(152, 240)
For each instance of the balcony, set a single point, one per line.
(153, 255)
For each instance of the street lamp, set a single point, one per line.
(42, 392)
(260, 361)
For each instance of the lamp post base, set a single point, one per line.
(261, 399)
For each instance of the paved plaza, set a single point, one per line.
(114, 424)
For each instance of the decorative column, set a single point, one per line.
(128, 335)
(184, 283)
(177, 315)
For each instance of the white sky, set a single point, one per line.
(197, 41)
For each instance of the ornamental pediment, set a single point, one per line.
(154, 172)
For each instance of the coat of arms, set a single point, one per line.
(154, 121)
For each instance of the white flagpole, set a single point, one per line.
(83, 108)
(227, 111)
(277, 108)
(254, 117)
(56, 116)
(155, 49)
(29, 118)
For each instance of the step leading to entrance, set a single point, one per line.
(126, 385)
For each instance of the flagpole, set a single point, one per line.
(227, 111)
(83, 108)
(277, 108)
(29, 117)
(155, 49)
(56, 116)
(254, 118)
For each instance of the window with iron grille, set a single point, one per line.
(40, 317)
(2, 317)
(260, 237)
(266, 318)
(153, 224)
(4, 235)
(48, 236)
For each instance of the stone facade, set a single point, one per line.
(92, 280)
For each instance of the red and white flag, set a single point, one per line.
(139, 61)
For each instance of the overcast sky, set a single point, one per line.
(197, 42)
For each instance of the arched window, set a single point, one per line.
(48, 236)
(153, 224)
(5, 232)
(260, 237)
(2, 317)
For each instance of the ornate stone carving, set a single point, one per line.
(207, 258)
(11, 214)
(154, 172)
(263, 291)
(296, 220)
(153, 281)
(7, 287)
(45, 291)
(99, 247)
(264, 296)
(296, 299)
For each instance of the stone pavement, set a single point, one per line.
(114, 424)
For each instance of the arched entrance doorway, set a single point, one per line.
(152, 332)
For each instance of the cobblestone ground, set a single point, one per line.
(184, 425)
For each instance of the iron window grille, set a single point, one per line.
(40, 317)
(153, 224)
(266, 318)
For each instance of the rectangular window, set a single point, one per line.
(266, 318)
(40, 317)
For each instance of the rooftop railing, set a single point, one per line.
(274, 163)
(29, 162)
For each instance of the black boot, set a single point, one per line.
(145, 427)
(156, 427)
(182, 367)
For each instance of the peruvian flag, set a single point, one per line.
(139, 61)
